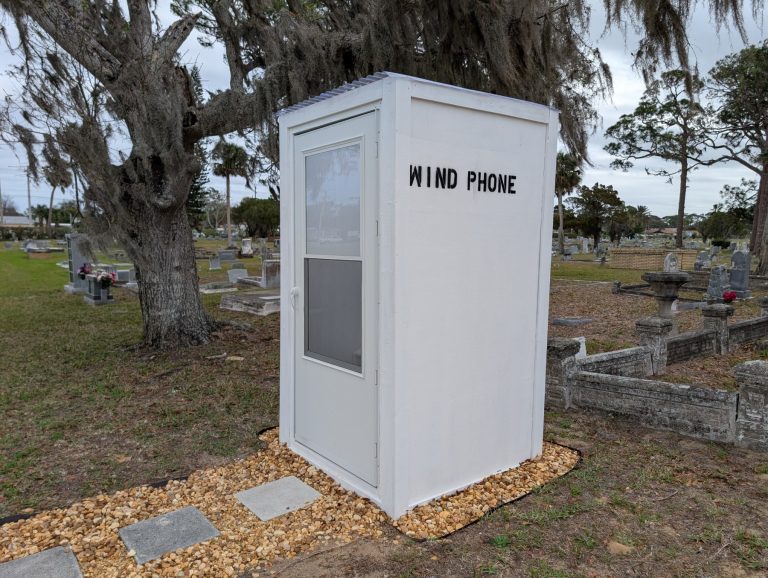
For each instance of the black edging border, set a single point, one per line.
(157, 484)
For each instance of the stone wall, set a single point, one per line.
(695, 411)
(749, 330)
(650, 259)
(632, 362)
(690, 345)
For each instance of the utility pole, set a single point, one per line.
(2, 205)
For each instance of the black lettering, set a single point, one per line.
(440, 178)
(492, 183)
(429, 174)
(452, 178)
(471, 178)
(416, 175)
(511, 187)
(502, 183)
(482, 182)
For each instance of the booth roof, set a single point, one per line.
(370, 79)
(366, 80)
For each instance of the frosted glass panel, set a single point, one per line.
(333, 202)
(333, 312)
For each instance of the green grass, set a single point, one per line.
(580, 271)
(87, 411)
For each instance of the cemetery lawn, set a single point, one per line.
(83, 411)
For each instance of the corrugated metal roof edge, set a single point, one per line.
(370, 79)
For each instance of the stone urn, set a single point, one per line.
(665, 287)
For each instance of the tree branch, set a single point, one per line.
(174, 37)
(67, 31)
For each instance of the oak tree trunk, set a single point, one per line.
(761, 213)
(762, 247)
(681, 203)
(172, 311)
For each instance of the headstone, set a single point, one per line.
(76, 258)
(8, 245)
(237, 265)
(733, 247)
(702, 261)
(126, 275)
(670, 263)
(96, 294)
(214, 263)
(257, 303)
(270, 274)
(246, 247)
(582, 353)
(235, 274)
(714, 250)
(585, 245)
(718, 283)
(227, 255)
(740, 266)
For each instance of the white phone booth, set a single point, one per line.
(416, 225)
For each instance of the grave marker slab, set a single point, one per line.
(276, 498)
(57, 562)
(214, 263)
(670, 263)
(718, 283)
(740, 266)
(150, 539)
(235, 274)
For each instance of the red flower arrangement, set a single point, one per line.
(85, 269)
(729, 296)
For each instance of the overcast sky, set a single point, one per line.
(635, 187)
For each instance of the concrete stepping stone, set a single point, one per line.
(150, 539)
(276, 498)
(57, 562)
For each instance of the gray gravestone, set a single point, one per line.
(227, 255)
(270, 274)
(235, 274)
(714, 250)
(75, 259)
(246, 247)
(57, 562)
(718, 283)
(237, 265)
(702, 261)
(733, 247)
(740, 266)
(670, 263)
(8, 245)
(214, 263)
(152, 538)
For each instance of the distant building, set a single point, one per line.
(17, 221)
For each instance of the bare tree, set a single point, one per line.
(93, 69)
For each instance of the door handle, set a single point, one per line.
(294, 294)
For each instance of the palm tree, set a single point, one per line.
(567, 178)
(232, 162)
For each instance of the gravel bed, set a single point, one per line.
(91, 527)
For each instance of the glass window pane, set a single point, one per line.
(333, 312)
(333, 202)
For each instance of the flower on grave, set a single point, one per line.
(105, 279)
(729, 296)
(85, 269)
